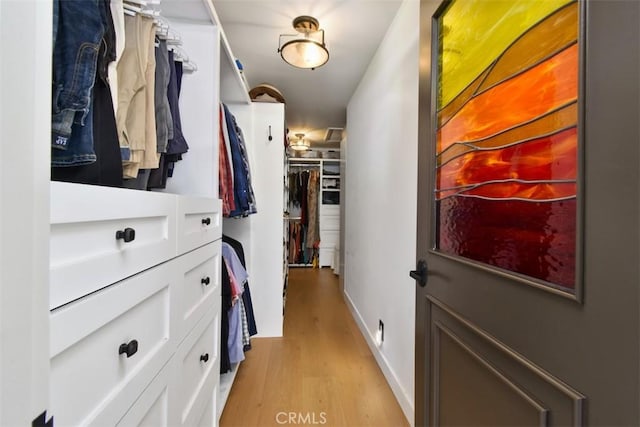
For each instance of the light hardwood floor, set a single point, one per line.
(320, 373)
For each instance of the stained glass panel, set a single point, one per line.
(507, 136)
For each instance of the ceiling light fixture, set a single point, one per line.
(305, 49)
(299, 144)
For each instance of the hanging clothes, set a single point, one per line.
(304, 232)
(246, 295)
(238, 322)
(176, 144)
(164, 120)
(225, 364)
(107, 169)
(244, 197)
(225, 173)
(313, 230)
(133, 74)
(75, 55)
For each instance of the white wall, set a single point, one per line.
(381, 186)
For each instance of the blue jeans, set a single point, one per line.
(78, 31)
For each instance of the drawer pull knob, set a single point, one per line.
(204, 358)
(206, 221)
(128, 235)
(205, 281)
(129, 348)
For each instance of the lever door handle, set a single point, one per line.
(420, 273)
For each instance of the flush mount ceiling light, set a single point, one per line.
(305, 49)
(299, 144)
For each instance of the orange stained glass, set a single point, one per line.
(475, 32)
(458, 102)
(536, 45)
(547, 86)
(547, 158)
(528, 50)
(544, 125)
(518, 191)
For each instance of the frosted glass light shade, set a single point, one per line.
(304, 53)
(299, 144)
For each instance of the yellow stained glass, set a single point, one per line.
(475, 32)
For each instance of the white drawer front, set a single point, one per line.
(326, 257)
(329, 239)
(85, 253)
(199, 285)
(196, 379)
(199, 222)
(152, 408)
(330, 222)
(329, 210)
(90, 381)
(208, 418)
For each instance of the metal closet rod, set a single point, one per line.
(305, 165)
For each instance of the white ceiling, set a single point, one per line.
(315, 99)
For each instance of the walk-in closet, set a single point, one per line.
(313, 189)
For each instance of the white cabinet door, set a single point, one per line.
(107, 347)
(100, 235)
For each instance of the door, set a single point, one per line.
(529, 315)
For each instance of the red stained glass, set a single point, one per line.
(533, 239)
(547, 158)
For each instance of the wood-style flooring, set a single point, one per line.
(320, 373)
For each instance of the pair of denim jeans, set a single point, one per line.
(78, 30)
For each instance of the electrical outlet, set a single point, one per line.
(381, 330)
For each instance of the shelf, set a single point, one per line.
(233, 89)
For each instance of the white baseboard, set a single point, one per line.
(389, 374)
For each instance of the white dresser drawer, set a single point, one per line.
(329, 210)
(199, 222)
(152, 407)
(93, 381)
(86, 251)
(329, 239)
(197, 370)
(208, 417)
(199, 285)
(330, 222)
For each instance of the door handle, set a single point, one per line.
(420, 273)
